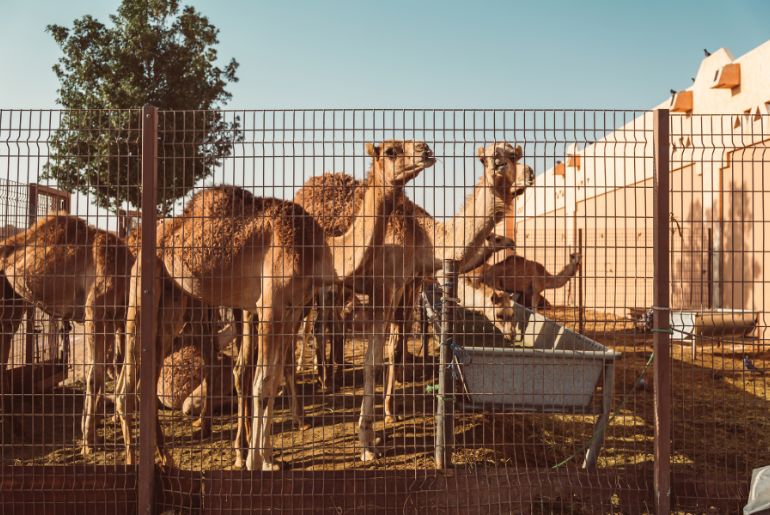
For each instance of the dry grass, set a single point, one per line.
(720, 425)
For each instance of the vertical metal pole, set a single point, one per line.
(661, 323)
(30, 339)
(581, 309)
(711, 302)
(445, 399)
(148, 315)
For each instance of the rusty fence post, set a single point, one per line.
(661, 313)
(445, 398)
(148, 315)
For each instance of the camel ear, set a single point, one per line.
(480, 154)
(373, 150)
(517, 153)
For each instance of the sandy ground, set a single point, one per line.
(720, 425)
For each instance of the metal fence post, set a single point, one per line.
(581, 308)
(148, 315)
(445, 398)
(661, 322)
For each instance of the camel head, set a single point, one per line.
(574, 258)
(399, 161)
(502, 167)
(503, 306)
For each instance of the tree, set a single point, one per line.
(153, 53)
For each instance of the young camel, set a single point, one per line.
(516, 274)
(355, 314)
(415, 246)
(267, 257)
(72, 271)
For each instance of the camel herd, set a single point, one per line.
(271, 261)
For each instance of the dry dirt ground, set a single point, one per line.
(721, 428)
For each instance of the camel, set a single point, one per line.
(75, 272)
(355, 315)
(267, 257)
(180, 386)
(516, 274)
(415, 246)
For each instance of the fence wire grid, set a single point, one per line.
(370, 310)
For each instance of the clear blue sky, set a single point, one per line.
(425, 53)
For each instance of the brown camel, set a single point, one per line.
(355, 314)
(72, 271)
(516, 274)
(267, 257)
(415, 245)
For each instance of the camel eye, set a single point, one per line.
(391, 152)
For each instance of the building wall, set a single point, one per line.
(617, 245)
(545, 239)
(746, 230)
(720, 187)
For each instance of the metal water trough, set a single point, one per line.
(711, 326)
(686, 325)
(551, 369)
(554, 369)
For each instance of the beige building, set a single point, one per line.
(720, 180)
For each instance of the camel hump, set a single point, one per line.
(58, 228)
(224, 222)
(332, 199)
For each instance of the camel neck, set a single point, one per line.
(367, 229)
(460, 237)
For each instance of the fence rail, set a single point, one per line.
(367, 310)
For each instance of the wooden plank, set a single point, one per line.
(112, 489)
(467, 491)
(66, 489)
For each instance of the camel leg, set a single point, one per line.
(127, 386)
(96, 355)
(337, 351)
(171, 308)
(109, 349)
(321, 326)
(297, 408)
(397, 341)
(373, 359)
(306, 332)
(397, 352)
(329, 327)
(241, 377)
(276, 327)
(12, 309)
(319, 347)
(206, 412)
(125, 389)
(208, 354)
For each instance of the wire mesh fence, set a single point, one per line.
(718, 199)
(407, 310)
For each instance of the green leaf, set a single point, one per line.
(151, 53)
